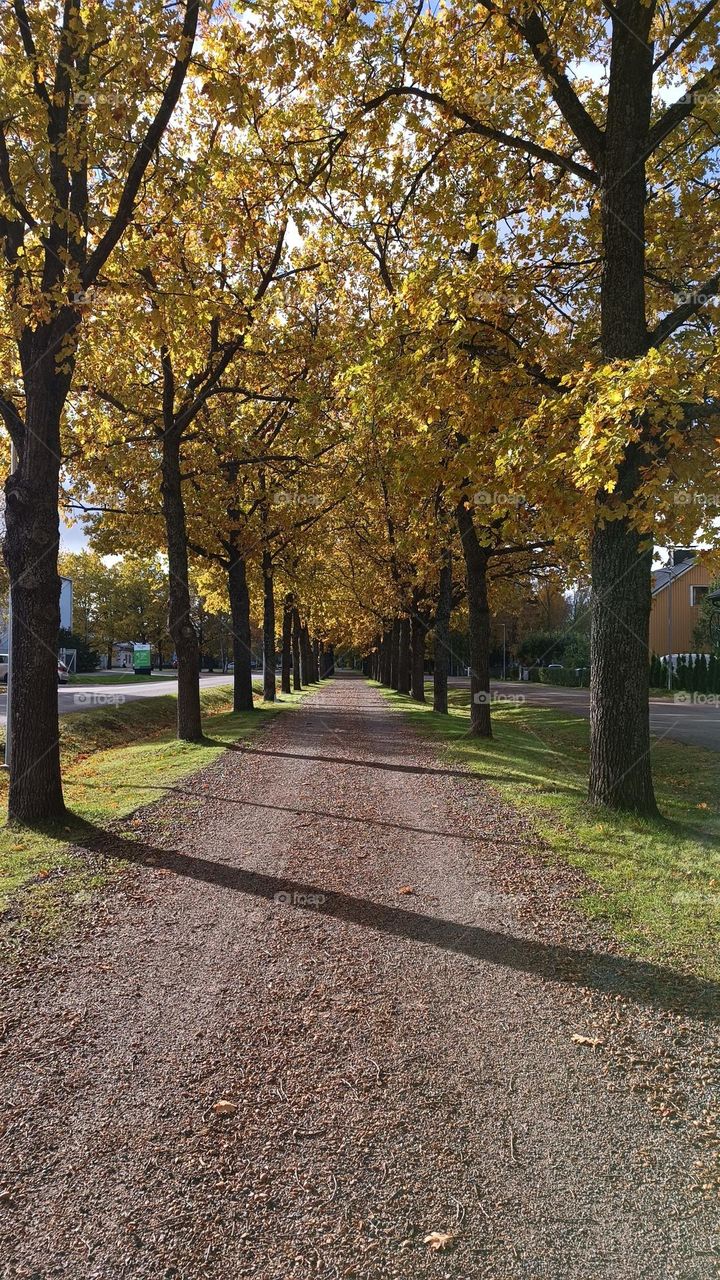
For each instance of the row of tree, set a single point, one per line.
(386, 310)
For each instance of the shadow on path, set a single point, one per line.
(644, 982)
(357, 763)
(327, 814)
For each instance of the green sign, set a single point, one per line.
(142, 659)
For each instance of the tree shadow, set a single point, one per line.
(358, 763)
(646, 983)
(327, 815)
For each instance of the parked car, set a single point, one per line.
(63, 674)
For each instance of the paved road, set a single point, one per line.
(89, 697)
(329, 1027)
(694, 722)
(697, 723)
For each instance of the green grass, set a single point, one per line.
(128, 677)
(115, 760)
(658, 882)
(116, 677)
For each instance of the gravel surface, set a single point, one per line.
(402, 1092)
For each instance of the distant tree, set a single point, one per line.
(86, 659)
(707, 629)
(539, 648)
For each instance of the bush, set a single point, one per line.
(567, 677)
(86, 659)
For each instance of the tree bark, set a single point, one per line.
(394, 653)
(31, 553)
(286, 660)
(620, 770)
(306, 658)
(403, 674)
(386, 658)
(418, 635)
(241, 644)
(442, 636)
(476, 562)
(184, 636)
(296, 647)
(268, 628)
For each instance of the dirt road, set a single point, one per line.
(357, 948)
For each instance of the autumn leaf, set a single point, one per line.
(439, 1240)
(224, 1108)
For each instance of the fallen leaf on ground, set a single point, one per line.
(439, 1239)
(406, 888)
(593, 1041)
(224, 1108)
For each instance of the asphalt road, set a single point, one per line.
(695, 722)
(685, 720)
(88, 697)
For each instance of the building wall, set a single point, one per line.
(684, 614)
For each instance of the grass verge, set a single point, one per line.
(114, 759)
(658, 882)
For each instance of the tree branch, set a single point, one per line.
(694, 302)
(147, 147)
(509, 140)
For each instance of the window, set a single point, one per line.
(696, 595)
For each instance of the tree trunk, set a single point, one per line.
(286, 643)
(331, 661)
(268, 628)
(476, 563)
(189, 720)
(620, 770)
(239, 597)
(316, 650)
(394, 653)
(403, 676)
(31, 554)
(296, 646)
(418, 634)
(386, 658)
(306, 658)
(442, 636)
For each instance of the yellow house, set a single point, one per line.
(678, 589)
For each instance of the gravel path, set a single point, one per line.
(397, 1058)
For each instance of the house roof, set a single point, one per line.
(669, 572)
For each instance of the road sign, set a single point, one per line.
(142, 659)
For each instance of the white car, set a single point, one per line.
(63, 674)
